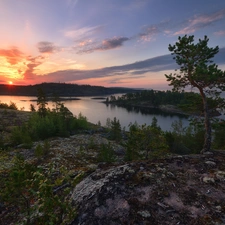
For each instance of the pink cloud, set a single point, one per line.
(199, 22)
(107, 44)
(220, 33)
(33, 62)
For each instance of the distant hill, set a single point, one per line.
(61, 89)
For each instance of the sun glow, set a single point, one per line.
(10, 83)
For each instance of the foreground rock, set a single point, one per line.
(175, 190)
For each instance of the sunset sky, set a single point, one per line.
(120, 43)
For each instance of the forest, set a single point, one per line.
(186, 102)
(61, 89)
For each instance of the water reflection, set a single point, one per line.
(147, 111)
(97, 111)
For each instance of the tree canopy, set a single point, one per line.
(197, 70)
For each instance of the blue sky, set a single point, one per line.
(102, 42)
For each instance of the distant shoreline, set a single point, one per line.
(52, 99)
(62, 90)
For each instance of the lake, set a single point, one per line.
(96, 111)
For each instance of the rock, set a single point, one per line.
(144, 214)
(218, 208)
(153, 192)
(208, 153)
(208, 180)
(87, 188)
(220, 175)
(92, 166)
(119, 150)
(210, 163)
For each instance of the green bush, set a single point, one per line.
(11, 105)
(31, 191)
(42, 150)
(20, 135)
(145, 142)
(53, 124)
(79, 122)
(219, 135)
(106, 153)
(185, 140)
(115, 132)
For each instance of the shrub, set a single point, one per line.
(11, 105)
(20, 135)
(53, 124)
(218, 135)
(115, 132)
(145, 142)
(32, 108)
(78, 123)
(32, 192)
(185, 140)
(42, 150)
(106, 153)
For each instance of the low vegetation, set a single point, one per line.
(11, 105)
(46, 123)
(34, 192)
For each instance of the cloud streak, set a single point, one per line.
(82, 33)
(72, 3)
(107, 44)
(150, 31)
(47, 47)
(201, 21)
(125, 72)
(220, 33)
(86, 42)
(133, 70)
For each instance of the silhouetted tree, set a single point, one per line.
(42, 102)
(198, 71)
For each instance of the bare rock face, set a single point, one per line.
(174, 190)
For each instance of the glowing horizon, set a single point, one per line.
(116, 44)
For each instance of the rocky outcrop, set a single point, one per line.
(174, 190)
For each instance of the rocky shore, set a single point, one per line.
(175, 189)
(143, 106)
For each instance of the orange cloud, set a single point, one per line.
(17, 66)
(13, 55)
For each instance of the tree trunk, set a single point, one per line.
(208, 133)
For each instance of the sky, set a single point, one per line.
(111, 43)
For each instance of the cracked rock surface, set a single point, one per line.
(175, 190)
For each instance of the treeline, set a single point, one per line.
(153, 97)
(186, 101)
(149, 141)
(62, 89)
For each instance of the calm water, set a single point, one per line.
(96, 111)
